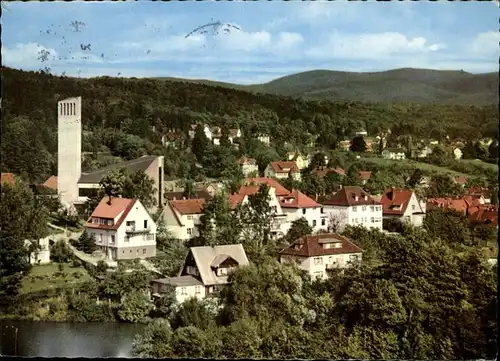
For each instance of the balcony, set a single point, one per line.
(134, 230)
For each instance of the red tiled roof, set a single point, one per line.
(297, 199)
(347, 197)
(51, 182)
(394, 201)
(365, 174)
(110, 210)
(461, 180)
(323, 171)
(279, 189)
(285, 167)
(484, 214)
(248, 190)
(311, 246)
(188, 206)
(173, 135)
(236, 199)
(458, 205)
(473, 200)
(7, 178)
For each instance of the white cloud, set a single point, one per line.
(372, 46)
(27, 55)
(287, 40)
(486, 45)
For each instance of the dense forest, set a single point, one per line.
(397, 85)
(125, 118)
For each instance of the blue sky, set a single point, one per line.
(148, 39)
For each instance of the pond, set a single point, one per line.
(64, 339)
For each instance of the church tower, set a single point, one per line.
(69, 149)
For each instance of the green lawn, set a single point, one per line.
(409, 162)
(44, 277)
(480, 163)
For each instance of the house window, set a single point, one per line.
(123, 252)
(183, 291)
(314, 223)
(318, 260)
(354, 209)
(112, 238)
(145, 223)
(323, 222)
(198, 290)
(130, 251)
(330, 260)
(102, 221)
(322, 210)
(372, 219)
(190, 218)
(190, 231)
(353, 258)
(110, 222)
(363, 208)
(130, 223)
(222, 271)
(413, 207)
(303, 211)
(318, 275)
(151, 237)
(144, 251)
(127, 239)
(372, 209)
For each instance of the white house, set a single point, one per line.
(424, 152)
(395, 153)
(204, 272)
(352, 206)
(42, 255)
(457, 153)
(248, 166)
(264, 138)
(320, 253)
(298, 205)
(182, 217)
(282, 170)
(206, 130)
(302, 161)
(403, 204)
(123, 229)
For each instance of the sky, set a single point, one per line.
(256, 41)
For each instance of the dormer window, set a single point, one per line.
(356, 198)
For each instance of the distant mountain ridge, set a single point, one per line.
(398, 85)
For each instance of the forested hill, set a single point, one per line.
(399, 85)
(131, 107)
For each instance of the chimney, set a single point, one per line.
(109, 200)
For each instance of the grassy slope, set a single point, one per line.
(408, 162)
(32, 284)
(399, 85)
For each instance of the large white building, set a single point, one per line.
(123, 229)
(320, 253)
(297, 205)
(353, 206)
